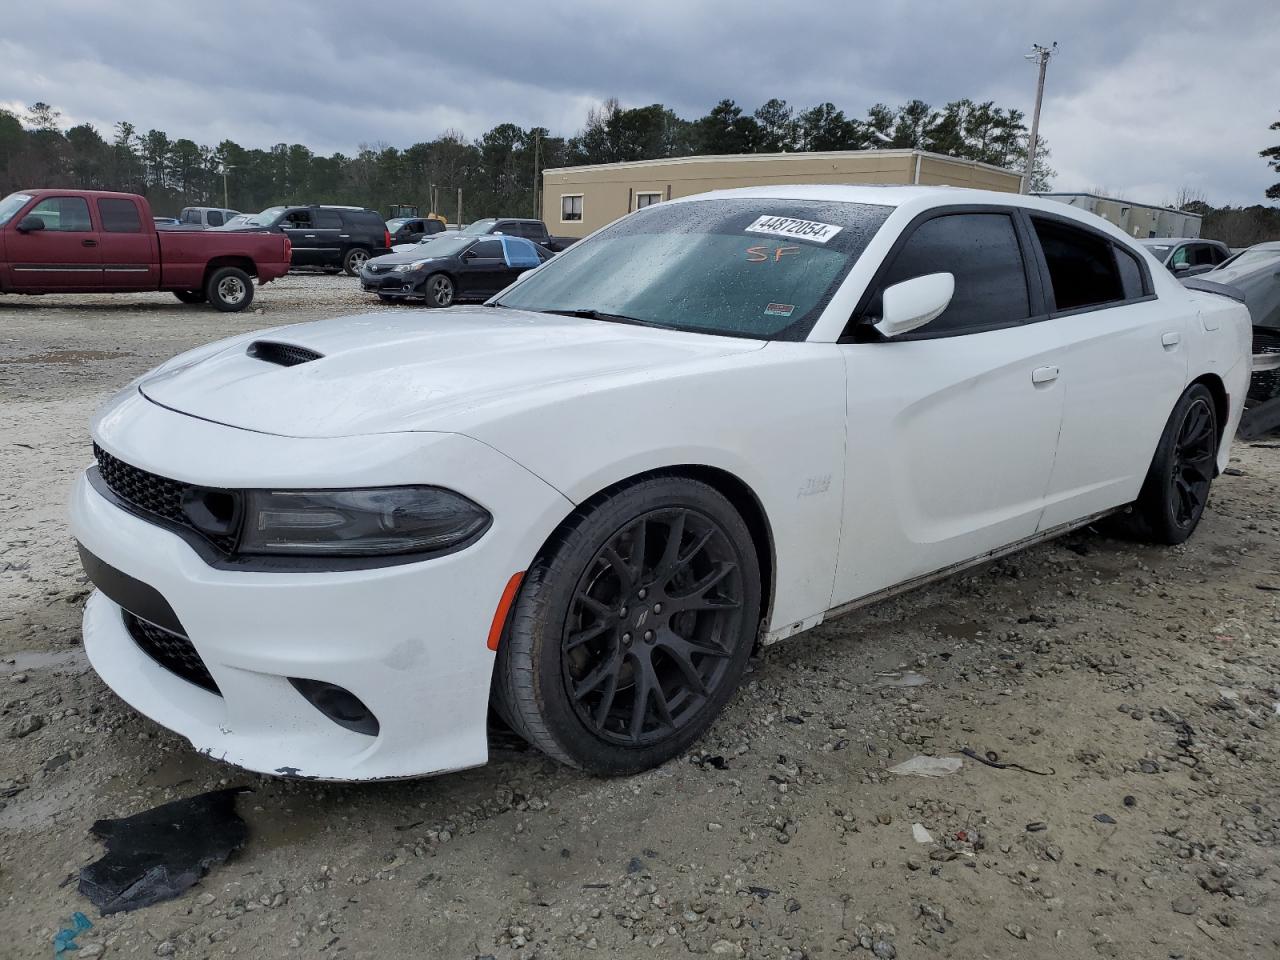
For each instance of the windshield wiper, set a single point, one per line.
(588, 313)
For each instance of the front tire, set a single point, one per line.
(633, 628)
(229, 289)
(356, 258)
(1176, 489)
(439, 290)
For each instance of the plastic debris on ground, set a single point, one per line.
(158, 854)
(920, 834)
(908, 679)
(65, 939)
(921, 766)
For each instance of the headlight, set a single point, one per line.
(410, 267)
(358, 523)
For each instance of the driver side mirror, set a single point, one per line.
(909, 305)
(30, 223)
(1181, 267)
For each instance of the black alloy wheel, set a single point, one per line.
(652, 626)
(632, 628)
(439, 290)
(355, 259)
(1191, 472)
(1176, 489)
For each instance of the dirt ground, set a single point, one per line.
(1141, 685)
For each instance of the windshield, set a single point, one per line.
(397, 223)
(479, 228)
(1158, 250)
(441, 246)
(1248, 258)
(760, 268)
(11, 205)
(265, 218)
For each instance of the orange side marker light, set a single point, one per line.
(504, 607)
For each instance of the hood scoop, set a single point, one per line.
(281, 354)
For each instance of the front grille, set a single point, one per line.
(284, 354)
(172, 651)
(1266, 383)
(153, 494)
(378, 268)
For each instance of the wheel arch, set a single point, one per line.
(1221, 401)
(217, 263)
(734, 489)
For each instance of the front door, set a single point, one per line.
(484, 270)
(300, 228)
(63, 255)
(952, 429)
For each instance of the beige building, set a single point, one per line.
(1136, 219)
(577, 200)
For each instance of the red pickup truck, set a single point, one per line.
(90, 241)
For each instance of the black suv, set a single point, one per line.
(324, 236)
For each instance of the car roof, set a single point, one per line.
(61, 191)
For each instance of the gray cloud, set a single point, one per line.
(1144, 97)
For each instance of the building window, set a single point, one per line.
(647, 199)
(570, 207)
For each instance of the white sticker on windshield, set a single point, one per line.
(798, 229)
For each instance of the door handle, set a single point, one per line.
(1044, 374)
(344, 236)
(1171, 340)
(309, 236)
(88, 243)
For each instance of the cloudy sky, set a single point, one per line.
(1142, 99)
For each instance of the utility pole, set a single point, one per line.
(225, 204)
(459, 208)
(1041, 55)
(536, 134)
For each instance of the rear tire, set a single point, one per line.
(229, 289)
(633, 628)
(1176, 489)
(356, 258)
(191, 296)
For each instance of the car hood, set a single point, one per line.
(390, 371)
(405, 253)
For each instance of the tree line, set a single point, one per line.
(497, 172)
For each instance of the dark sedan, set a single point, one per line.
(450, 268)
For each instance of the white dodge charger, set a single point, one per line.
(326, 549)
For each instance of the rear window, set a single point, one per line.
(1082, 268)
(1131, 275)
(365, 218)
(119, 216)
(762, 268)
(328, 220)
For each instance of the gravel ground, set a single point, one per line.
(1140, 683)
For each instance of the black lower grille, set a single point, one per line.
(156, 495)
(1266, 383)
(172, 651)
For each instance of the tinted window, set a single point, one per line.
(215, 218)
(1082, 269)
(63, 213)
(488, 248)
(1206, 255)
(189, 214)
(365, 219)
(981, 250)
(328, 220)
(297, 220)
(119, 216)
(1130, 274)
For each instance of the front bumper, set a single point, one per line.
(408, 640)
(392, 284)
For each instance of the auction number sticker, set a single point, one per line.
(793, 228)
(780, 309)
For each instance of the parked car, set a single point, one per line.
(205, 217)
(1187, 257)
(1256, 253)
(166, 221)
(534, 230)
(325, 236)
(452, 268)
(321, 549)
(88, 241)
(413, 229)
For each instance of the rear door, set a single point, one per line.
(127, 247)
(484, 269)
(62, 256)
(331, 236)
(951, 429)
(519, 255)
(1123, 361)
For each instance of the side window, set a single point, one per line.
(1131, 275)
(297, 220)
(67, 214)
(520, 254)
(119, 216)
(328, 220)
(981, 251)
(571, 207)
(1082, 268)
(1219, 255)
(488, 249)
(215, 218)
(189, 215)
(1206, 255)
